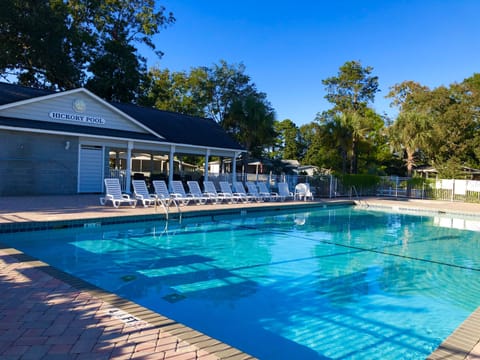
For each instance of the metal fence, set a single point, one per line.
(329, 186)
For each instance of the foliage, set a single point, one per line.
(287, 142)
(359, 180)
(438, 127)
(250, 120)
(351, 123)
(62, 45)
(352, 89)
(180, 92)
(39, 45)
(226, 84)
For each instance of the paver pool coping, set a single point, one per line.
(183, 341)
(463, 343)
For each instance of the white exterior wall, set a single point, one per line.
(40, 110)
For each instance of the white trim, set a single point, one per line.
(78, 167)
(122, 139)
(77, 134)
(86, 92)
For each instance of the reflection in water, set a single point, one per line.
(457, 223)
(334, 283)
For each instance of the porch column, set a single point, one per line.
(234, 167)
(171, 168)
(152, 162)
(117, 160)
(207, 155)
(129, 167)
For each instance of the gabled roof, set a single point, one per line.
(173, 127)
(10, 93)
(180, 128)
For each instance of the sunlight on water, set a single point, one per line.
(339, 283)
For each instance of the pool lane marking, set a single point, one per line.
(373, 250)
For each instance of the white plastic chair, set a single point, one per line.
(253, 190)
(162, 193)
(227, 190)
(303, 192)
(142, 194)
(178, 192)
(283, 191)
(240, 189)
(262, 189)
(113, 193)
(197, 193)
(209, 188)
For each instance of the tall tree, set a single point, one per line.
(64, 44)
(250, 120)
(226, 84)
(117, 72)
(408, 135)
(287, 139)
(352, 89)
(40, 45)
(319, 148)
(410, 132)
(118, 26)
(350, 92)
(182, 92)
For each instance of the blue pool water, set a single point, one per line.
(334, 283)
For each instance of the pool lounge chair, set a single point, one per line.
(262, 189)
(178, 192)
(113, 193)
(227, 190)
(195, 190)
(303, 192)
(209, 188)
(253, 190)
(142, 194)
(283, 192)
(240, 189)
(162, 193)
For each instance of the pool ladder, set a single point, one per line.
(165, 203)
(360, 202)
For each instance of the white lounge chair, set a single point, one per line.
(283, 191)
(178, 192)
(253, 190)
(162, 193)
(262, 190)
(209, 188)
(113, 193)
(240, 189)
(227, 190)
(197, 193)
(142, 194)
(303, 192)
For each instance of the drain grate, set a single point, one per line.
(174, 297)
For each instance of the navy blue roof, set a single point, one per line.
(10, 93)
(180, 128)
(173, 127)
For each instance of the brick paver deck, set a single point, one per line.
(42, 317)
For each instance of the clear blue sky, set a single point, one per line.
(289, 47)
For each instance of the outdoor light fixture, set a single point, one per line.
(67, 145)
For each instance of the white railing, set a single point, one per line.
(328, 186)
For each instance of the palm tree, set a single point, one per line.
(409, 134)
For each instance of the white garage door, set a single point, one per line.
(90, 175)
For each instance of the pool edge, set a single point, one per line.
(184, 333)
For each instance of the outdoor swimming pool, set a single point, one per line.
(340, 283)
